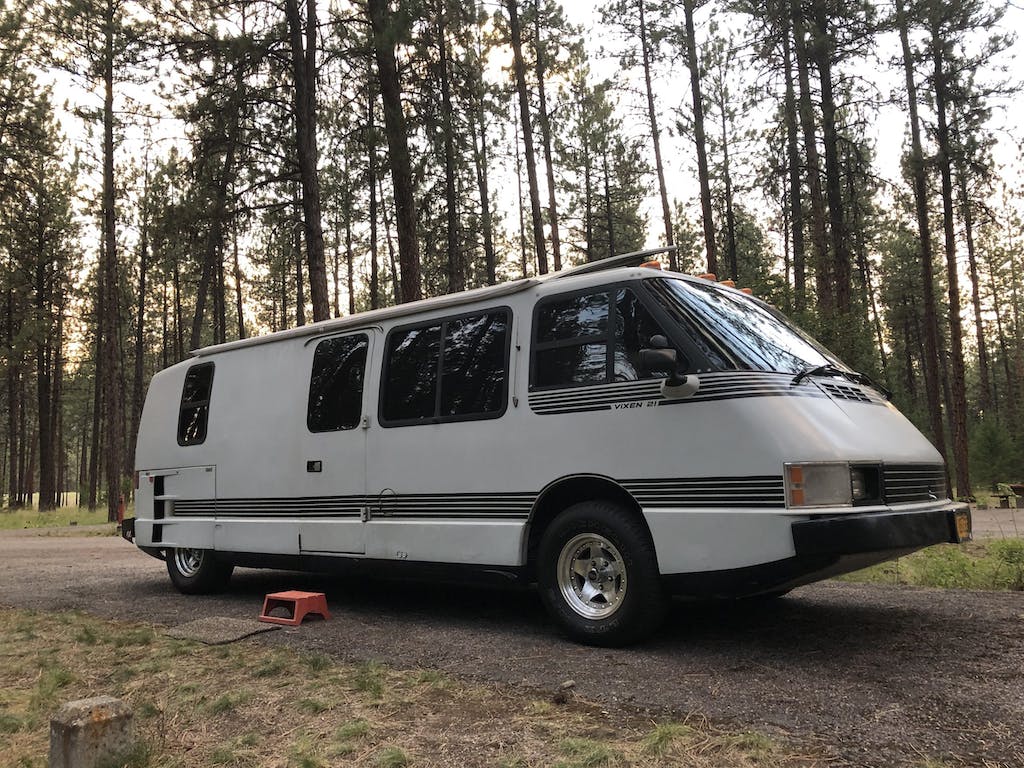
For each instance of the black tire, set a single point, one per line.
(575, 536)
(197, 571)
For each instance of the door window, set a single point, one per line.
(336, 384)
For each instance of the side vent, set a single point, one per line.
(158, 502)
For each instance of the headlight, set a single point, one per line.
(819, 485)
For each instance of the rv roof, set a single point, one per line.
(362, 319)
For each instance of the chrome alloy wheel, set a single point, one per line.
(591, 576)
(188, 561)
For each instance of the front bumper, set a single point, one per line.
(882, 532)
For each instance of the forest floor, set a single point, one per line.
(859, 674)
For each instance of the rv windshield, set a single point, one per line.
(743, 333)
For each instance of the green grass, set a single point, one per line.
(588, 753)
(32, 518)
(996, 564)
(303, 717)
(391, 757)
(665, 735)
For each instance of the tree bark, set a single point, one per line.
(524, 119)
(795, 188)
(931, 341)
(545, 134)
(967, 216)
(110, 357)
(822, 52)
(372, 173)
(456, 280)
(958, 395)
(819, 235)
(401, 167)
(698, 134)
(304, 69)
(140, 322)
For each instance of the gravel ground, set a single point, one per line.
(871, 675)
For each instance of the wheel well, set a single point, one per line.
(561, 495)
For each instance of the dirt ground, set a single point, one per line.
(997, 523)
(874, 675)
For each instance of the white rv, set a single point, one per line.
(615, 434)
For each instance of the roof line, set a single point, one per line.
(371, 317)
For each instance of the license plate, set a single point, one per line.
(963, 526)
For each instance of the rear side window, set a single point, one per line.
(452, 370)
(591, 338)
(336, 384)
(195, 404)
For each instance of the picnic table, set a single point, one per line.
(1010, 495)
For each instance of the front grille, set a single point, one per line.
(906, 483)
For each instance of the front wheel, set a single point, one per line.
(196, 571)
(598, 575)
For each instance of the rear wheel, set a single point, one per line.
(598, 575)
(196, 571)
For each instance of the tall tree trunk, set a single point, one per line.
(698, 133)
(300, 292)
(730, 216)
(1010, 416)
(524, 119)
(336, 266)
(213, 248)
(456, 280)
(349, 256)
(545, 134)
(819, 234)
(795, 189)
(822, 52)
(304, 69)
(588, 198)
(179, 337)
(110, 357)
(92, 497)
(12, 401)
(958, 394)
(140, 322)
(237, 272)
(931, 335)
(480, 161)
(967, 215)
(396, 288)
(384, 35)
(372, 173)
(609, 219)
(44, 373)
(522, 213)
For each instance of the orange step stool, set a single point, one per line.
(300, 604)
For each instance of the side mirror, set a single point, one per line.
(660, 358)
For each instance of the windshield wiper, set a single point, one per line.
(817, 370)
(829, 369)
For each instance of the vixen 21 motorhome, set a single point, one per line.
(615, 433)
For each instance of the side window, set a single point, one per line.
(195, 404)
(452, 370)
(410, 386)
(336, 384)
(592, 338)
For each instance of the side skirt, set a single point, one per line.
(455, 573)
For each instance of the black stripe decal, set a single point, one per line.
(760, 491)
(714, 387)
